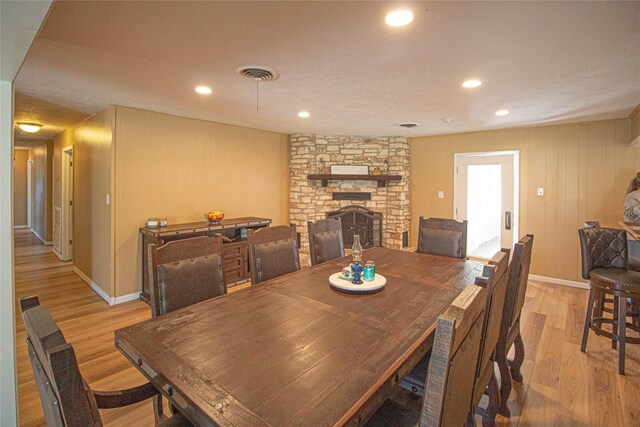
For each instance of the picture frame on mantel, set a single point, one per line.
(349, 170)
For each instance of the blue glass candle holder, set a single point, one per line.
(357, 268)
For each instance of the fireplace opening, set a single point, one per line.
(361, 221)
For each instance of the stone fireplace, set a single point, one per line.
(309, 200)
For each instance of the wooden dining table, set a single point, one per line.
(295, 351)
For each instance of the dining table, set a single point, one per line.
(294, 350)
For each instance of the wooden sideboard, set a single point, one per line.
(235, 249)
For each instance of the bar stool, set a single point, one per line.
(605, 262)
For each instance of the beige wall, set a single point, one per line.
(41, 189)
(92, 155)
(179, 168)
(585, 169)
(62, 140)
(20, 159)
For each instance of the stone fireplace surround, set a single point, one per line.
(309, 201)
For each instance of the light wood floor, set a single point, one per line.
(562, 386)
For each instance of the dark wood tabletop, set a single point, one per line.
(294, 351)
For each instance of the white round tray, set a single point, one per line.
(366, 287)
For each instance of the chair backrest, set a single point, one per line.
(188, 271)
(603, 248)
(517, 285)
(454, 360)
(589, 224)
(65, 396)
(497, 273)
(273, 252)
(444, 237)
(325, 240)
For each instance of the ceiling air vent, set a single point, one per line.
(408, 125)
(260, 73)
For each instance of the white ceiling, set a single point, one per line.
(546, 62)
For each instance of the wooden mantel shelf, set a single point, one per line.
(382, 179)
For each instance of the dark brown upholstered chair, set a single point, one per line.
(67, 400)
(444, 237)
(273, 252)
(497, 273)
(325, 240)
(510, 326)
(188, 271)
(452, 368)
(605, 262)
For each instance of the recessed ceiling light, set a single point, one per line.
(447, 120)
(399, 18)
(29, 127)
(502, 112)
(303, 114)
(471, 83)
(204, 90)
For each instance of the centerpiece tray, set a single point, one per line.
(345, 285)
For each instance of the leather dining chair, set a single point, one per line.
(444, 237)
(510, 327)
(188, 271)
(605, 263)
(273, 252)
(67, 399)
(325, 240)
(452, 368)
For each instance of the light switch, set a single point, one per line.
(540, 191)
(440, 194)
(108, 199)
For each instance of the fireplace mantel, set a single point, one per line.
(382, 179)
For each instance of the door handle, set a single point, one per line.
(507, 220)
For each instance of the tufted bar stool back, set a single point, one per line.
(605, 263)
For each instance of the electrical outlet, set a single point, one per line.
(540, 191)
(440, 194)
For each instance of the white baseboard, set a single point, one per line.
(97, 289)
(45, 242)
(126, 298)
(110, 300)
(58, 254)
(15, 227)
(563, 282)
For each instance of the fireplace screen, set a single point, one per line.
(361, 221)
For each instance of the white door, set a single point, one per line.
(486, 195)
(67, 204)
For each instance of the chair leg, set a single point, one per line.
(587, 321)
(505, 383)
(616, 311)
(157, 409)
(516, 363)
(489, 416)
(622, 331)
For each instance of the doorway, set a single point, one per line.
(67, 205)
(486, 195)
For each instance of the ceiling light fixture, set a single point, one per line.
(203, 90)
(399, 18)
(502, 112)
(29, 127)
(303, 114)
(471, 83)
(447, 120)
